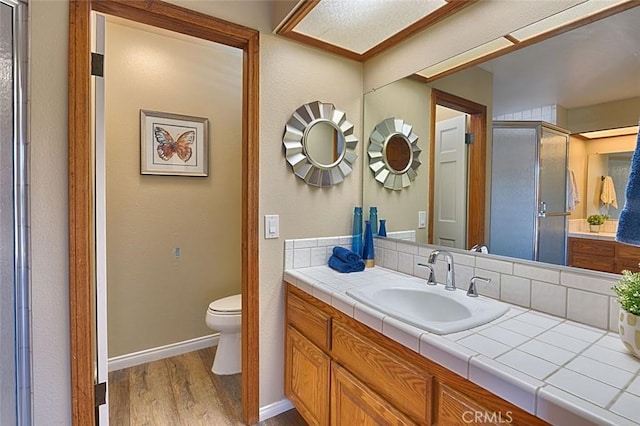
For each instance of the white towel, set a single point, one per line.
(573, 197)
(608, 194)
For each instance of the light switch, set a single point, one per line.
(271, 226)
(422, 219)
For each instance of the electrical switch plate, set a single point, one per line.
(271, 226)
(422, 219)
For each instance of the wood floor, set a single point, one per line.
(183, 391)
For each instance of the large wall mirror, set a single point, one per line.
(583, 80)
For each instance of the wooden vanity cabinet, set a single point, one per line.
(353, 403)
(341, 372)
(597, 255)
(602, 255)
(307, 378)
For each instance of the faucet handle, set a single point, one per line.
(432, 275)
(473, 290)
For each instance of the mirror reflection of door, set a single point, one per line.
(450, 179)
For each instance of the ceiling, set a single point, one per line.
(592, 64)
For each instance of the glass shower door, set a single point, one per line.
(7, 234)
(15, 328)
(552, 208)
(513, 191)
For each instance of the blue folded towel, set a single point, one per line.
(345, 267)
(629, 220)
(346, 255)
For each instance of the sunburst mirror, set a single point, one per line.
(393, 153)
(319, 144)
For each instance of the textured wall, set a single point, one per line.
(49, 230)
(154, 298)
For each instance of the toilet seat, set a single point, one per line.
(231, 305)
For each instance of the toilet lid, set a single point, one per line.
(230, 304)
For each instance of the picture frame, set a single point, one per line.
(173, 144)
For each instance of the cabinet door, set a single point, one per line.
(592, 254)
(353, 403)
(455, 409)
(395, 379)
(306, 379)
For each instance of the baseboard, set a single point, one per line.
(154, 354)
(274, 409)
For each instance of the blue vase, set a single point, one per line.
(356, 243)
(383, 228)
(367, 252)
(373, 220)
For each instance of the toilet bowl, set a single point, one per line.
(225, 315)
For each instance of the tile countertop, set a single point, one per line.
(562, 371)
(609, 236)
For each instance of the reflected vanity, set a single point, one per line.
(409, 98)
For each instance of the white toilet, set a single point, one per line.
(225, 316)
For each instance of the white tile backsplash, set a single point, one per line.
(588, 308)
(494, 265)
(564, 292)
(537, 273)
(549, 298)
(515, 290)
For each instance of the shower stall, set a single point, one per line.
(528, 215)
(15, 340)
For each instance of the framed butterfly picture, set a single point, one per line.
(173, 144)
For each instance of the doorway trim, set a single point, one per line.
(477, 175)
(81, 180)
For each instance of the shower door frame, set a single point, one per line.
(21, 216)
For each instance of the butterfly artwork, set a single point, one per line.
(168, 146)
(173, 144)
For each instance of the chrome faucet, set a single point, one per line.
(451, 281)
(480, 248)
(473, 290)
(431, 280)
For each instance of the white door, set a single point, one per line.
(450, 183)
(101, 369)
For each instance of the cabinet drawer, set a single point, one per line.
(588, 246)
(592, 261)
(630, 254)
(455, 409)
(309, 320)
(626, 264)
(397, 381)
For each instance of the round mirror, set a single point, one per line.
(393, 153)
(323, 143)
(319, 144)
(397, 153)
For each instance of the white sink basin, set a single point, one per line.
(431, 308)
